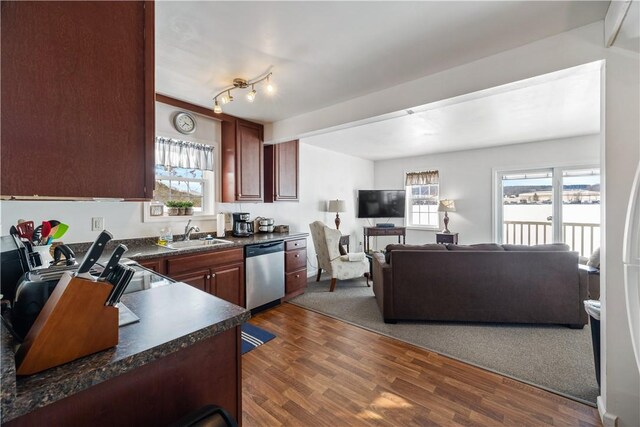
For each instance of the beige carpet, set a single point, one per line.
(555, 358)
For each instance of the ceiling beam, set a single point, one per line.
(613, 20)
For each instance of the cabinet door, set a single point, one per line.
(198, 279)
(248, 161)
(295, 283)
(157, 265)
(286, 171)
(228, 283)
(295, 260)
(77, 100)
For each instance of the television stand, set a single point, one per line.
(383, 231)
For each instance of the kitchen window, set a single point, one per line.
(184, 173)
(423, 195)
(184, 185)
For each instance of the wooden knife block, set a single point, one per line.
(73, 323)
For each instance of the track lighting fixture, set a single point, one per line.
(226, 97)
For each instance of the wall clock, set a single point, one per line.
(184, 122)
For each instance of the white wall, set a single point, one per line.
(467, 177)
(621, 380)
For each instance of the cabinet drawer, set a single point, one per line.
(295, 260)
(381, 231)
(205, 260)
(290, 245)
(295, 281)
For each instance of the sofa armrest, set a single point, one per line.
(383, 286)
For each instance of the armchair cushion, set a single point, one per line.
(353, 257)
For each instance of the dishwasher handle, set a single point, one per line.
(263, 249)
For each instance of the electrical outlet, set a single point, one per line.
(97, 223)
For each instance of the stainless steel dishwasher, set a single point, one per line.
(264, 269)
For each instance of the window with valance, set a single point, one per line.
(184, 173)
(423, 194)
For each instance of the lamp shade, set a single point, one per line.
(337, 206)
(447, 205)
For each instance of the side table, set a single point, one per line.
(447, 238)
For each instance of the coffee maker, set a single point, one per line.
(242, 226)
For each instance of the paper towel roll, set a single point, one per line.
(220, 225)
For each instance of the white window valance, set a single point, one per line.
(421, 178)
(183, 154)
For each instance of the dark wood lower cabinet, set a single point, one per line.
(295, 267)
(156, 394)
(225, 282)
(198, 279)
(219, 273)
(158, 265)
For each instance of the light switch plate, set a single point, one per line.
(97, 223)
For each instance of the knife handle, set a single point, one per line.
(94, 253)
(114, 259)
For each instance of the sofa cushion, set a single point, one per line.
(476, 247)
(427, 247)
(553, 247)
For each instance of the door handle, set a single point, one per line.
(549, 218)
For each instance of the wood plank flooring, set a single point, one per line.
(319, 371)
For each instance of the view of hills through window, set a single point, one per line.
(180, 184)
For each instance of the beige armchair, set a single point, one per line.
(326, 242)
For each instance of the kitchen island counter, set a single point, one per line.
(178, 325)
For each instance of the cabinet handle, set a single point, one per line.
(297, 255)
(208, 276)
(297, 276)
(295, 244)
(213, 275)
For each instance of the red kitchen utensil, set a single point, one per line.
(46, 230)
(25, 229)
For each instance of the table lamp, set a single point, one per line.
(337, 206)
(446, 205)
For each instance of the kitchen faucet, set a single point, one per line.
(188, 230)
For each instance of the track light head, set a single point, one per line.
(216, 107)
(251, 96)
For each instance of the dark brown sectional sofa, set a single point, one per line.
(480, 283)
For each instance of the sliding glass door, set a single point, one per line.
(581, 209)
(548, 206)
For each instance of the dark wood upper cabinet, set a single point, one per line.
(242, 161)
(281, 171)
(77, 105)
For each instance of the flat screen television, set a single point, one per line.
(381, 203)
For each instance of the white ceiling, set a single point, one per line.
(322, 53)
(556, 105)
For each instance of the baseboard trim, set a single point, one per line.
(608, 419)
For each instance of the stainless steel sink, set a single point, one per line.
(188, 244)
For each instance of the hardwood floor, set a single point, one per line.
(319, 371)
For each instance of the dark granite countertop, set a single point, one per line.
(146, 248)
(156, 335)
